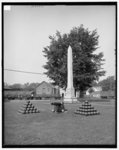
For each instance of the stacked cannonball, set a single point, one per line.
(86, 109)
(29, 108)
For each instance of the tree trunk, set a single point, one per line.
(81, 94)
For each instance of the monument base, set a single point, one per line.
(70, 96)
(70, 100)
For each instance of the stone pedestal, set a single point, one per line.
(70, 96)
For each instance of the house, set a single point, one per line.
(46, 90)
(96, 94)
(93, 89)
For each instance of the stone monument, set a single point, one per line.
(70, 92)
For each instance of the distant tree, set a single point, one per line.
(26, 85)
(108, 84)
(86, 64)
(94, 83)
(32, 86)
(16, 86)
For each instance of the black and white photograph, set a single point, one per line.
(59, 84)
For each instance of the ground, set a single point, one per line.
(58, 129)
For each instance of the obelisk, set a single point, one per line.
(70, 92)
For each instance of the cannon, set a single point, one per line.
(58, 106)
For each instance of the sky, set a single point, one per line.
(27, 30)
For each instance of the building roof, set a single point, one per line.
(95, 93)
(52, 86)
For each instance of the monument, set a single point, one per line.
(70, 92)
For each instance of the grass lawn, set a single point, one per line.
(58, 129)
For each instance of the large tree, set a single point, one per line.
(86, 64)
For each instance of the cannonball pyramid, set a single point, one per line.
(86, 109)
(28, 108)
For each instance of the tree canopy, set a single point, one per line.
(86, 64)
(18, 86)
(108, 84)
